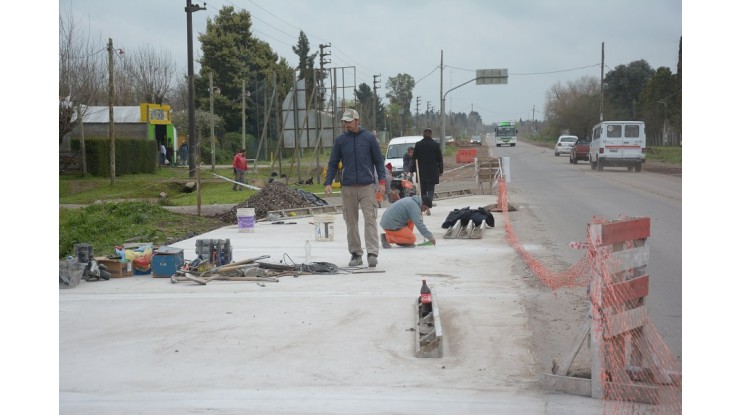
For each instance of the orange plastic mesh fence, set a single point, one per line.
(636, 370)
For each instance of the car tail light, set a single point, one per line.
(601, 150)
(644, 150)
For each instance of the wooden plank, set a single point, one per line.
(625, 230)
(624, 321)
(620, 293)
(620, 261)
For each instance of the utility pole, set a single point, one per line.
(416, 122)
(111, 124)
(376, 81)
(213, 135)
(442, 98)
(189, 9)
(601, 104)
(322, 62)
(244, 115)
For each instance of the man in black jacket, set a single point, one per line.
(428, 158)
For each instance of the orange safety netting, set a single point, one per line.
(632, 368)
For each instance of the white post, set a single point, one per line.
(505, 168)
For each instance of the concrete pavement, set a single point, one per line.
(312, 344)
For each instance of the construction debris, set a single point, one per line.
(274, 196)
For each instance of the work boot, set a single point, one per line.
(383, 241)
(356, 260)
(372, 260)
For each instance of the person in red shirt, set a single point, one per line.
(240, 168)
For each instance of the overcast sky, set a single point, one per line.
(541, 43)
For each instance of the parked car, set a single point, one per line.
(475, 140)
(579, 151)
(565, 142)
(449, 139)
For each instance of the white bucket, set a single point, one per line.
(324, 227)
(245, 219)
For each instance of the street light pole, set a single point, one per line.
(483, 77)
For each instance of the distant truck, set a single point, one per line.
(619, 144)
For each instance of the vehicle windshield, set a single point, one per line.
(569, 139)
(505, 131)
(397, 151)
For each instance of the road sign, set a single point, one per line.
(491, 76)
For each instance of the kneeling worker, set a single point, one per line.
(399, 219)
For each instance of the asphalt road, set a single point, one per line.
(562, 199)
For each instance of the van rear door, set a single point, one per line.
(633, 141)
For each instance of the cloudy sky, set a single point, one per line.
(541, 43)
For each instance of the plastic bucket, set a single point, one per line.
(245, 219)
(324, 227)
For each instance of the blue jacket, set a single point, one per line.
(360, 156)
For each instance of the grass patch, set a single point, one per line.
(107, 225)
(171, 182)
(667, 154)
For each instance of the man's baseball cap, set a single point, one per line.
(350, 114)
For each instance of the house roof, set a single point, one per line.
(128, 114)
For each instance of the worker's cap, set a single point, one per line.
(428, 129)
(350, 114)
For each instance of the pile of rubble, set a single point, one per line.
(274, 196)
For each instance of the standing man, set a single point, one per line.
(399, 219)
(407, 162)
(359, 152)
(183, 154)
(240, 168)
(429, 157)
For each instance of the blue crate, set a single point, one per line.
(166, 261)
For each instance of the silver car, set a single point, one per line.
(564, 144)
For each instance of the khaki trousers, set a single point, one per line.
(354, 199)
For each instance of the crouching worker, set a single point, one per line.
(399, 219)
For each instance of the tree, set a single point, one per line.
(400, 92)
(234, 56)
(365, 104)
(306, 63)
(475, 122)
(81, 66)
(622, 88)
(656, 101)
(153, 74)
(572, 108)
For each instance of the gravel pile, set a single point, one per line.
(274, 196)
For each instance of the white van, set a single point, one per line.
(396, 149)
(617, 143)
